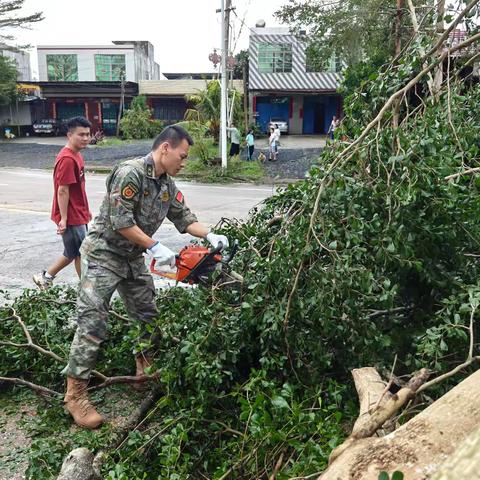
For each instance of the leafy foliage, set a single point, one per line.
(10, 19)
(137, 122)
(379, 260)
(350, 29)
(8, 81)
(207, 104)
(203, 147)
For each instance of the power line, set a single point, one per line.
(242, 23)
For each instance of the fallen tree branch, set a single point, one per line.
(129, 379)
(370, 389)
(106, 381)
(383, 413)
(43, 391)
(350, 149)
(419, 447)
(465, 172)
(276, 469)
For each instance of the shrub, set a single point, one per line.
(137, 122)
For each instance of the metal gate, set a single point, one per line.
(269, 108)
(109, 118)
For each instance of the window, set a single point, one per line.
(62, 68)
(109, 68)
(274, 57)
(315, 62)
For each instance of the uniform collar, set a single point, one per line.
(150, 168)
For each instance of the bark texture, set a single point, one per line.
(79, 466)
(371, 393)
(464, 463)
(421, 446)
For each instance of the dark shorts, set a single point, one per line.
(72, 239)
(234, 149)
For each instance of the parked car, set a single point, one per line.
(49, 126)
(282, 124)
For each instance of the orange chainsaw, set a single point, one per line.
(196, 264)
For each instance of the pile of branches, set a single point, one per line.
(373, 260)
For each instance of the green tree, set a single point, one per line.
(8, 81)
(9, 19)
(207, 107)
(241, 61)
(137, 122)
(350, 29)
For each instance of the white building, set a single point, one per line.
(134, 60)
(285, 86)
(22, 60)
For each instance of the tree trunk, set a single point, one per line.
(464, 463)
(419, 447)
(371, 394)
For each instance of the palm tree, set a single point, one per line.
(207, 107)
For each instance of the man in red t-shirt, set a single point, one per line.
(70, 209)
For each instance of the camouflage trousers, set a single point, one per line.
(97, 285)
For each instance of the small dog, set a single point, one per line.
(261, 157)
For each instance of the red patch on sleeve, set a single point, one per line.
(179, 197)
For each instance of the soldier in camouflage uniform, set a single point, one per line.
(140, 195)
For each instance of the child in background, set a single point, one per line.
(272, 146)
(250, 144)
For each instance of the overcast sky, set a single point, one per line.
(183, 32)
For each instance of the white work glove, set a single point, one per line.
(162, 255)
(214, 240)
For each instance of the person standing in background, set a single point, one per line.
(272, 146)
(333, 126)
(250, 144)
(70, 210)
(234, 140)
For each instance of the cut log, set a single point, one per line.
(371, 394)
(465, 461)
(382, 415)
(419, 447)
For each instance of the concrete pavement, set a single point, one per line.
(28, 239)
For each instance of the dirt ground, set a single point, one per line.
(20, 422)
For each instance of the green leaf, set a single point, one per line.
(280, 402)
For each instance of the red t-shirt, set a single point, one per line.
(69, 170)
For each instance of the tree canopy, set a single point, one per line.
(8, 80)
(10, 20)
(351, 29)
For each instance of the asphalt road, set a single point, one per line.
(28, 239)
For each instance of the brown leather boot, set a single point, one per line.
(142, 362)
(77, 403)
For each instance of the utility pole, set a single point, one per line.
(122, 102)
(225, 13)
(245, 94)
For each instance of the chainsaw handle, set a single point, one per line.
(217, 249)
(162, 274)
